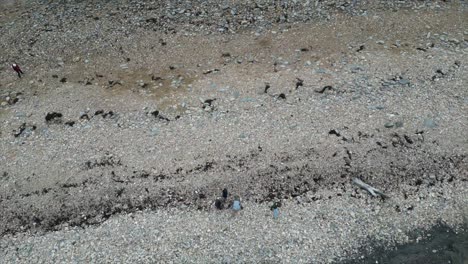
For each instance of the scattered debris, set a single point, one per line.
(373, 191)
(11, 98)
(87, 81)
(158, 115)
(439, 74)
(324, 89)
(24, 127)
(107, 160)
(142, 84)
(208, 104)
(211, 71)
(104, 114)
(112, 83)
(108, 114)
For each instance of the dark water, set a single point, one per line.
(443, 246)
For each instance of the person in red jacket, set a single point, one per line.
(17, 69)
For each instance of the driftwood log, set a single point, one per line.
(373, 191)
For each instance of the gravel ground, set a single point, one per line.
(323, 232)
(132, 117)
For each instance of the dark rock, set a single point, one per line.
(108, 114)
(219, 204)
(53, 117)
(70, 123)
(225, 193)
(152, 20)
(209, 101)
(282, 96)
(408, 139)
(155, 113)
(439, 74)
(299, 83)
(63, 80)
(211, 71)
(20, 130)
(13, 101)
(334, 132)
(361, 48)
(99, 112)
(267, 86)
